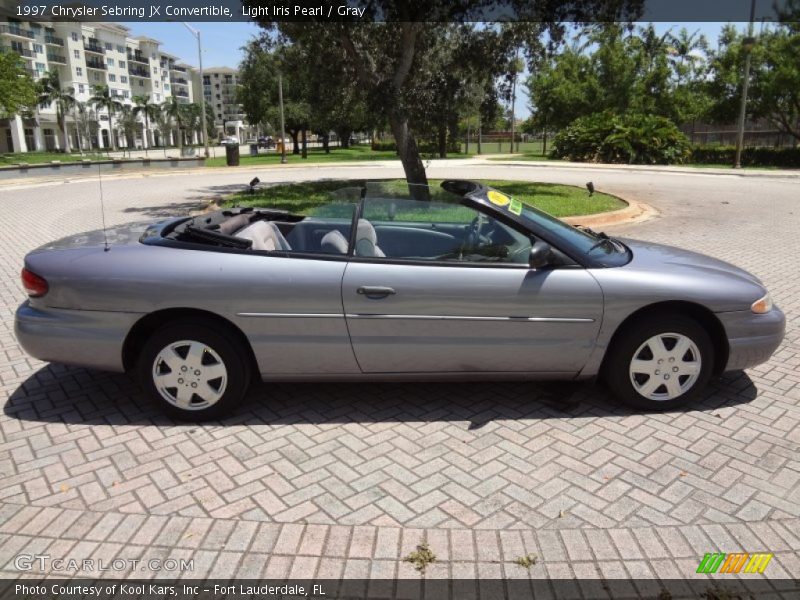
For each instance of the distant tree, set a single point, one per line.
(128, 125)
(164, 125)
(17, 88)
(148, 110)
(50, 92)
(175, 112)
(103, 98)
(86, 122)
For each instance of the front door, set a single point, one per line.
(435, 288)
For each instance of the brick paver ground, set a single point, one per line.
(343, 480)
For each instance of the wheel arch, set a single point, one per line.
(704, 317)
(150, 322)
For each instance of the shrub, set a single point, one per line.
(424, 146)
(629, 138)
(751, 157)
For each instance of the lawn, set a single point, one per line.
(308, 197)
(33, 158)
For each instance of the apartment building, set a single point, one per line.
(86, 55)
(219, 87)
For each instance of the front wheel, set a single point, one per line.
(660, 362)
(195, 371)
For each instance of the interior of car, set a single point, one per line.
(389, 229)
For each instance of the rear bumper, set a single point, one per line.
(752, 338)
(90, 339)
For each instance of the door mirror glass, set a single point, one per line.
(541, 255)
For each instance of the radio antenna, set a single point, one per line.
(106, 247)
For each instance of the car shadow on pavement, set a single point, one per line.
(71, 395)
(171, 209)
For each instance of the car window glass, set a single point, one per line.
(430, 230)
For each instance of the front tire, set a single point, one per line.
(660, 362)
(195, 371)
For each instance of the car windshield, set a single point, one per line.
(598, 247)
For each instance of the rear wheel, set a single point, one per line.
(195, 371)
(660, 362)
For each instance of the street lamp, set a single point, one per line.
(748, 44)
(196, 34)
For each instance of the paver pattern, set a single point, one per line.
(343, 480)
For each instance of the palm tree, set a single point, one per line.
(192, 114)
(50, 91)
(128, 124)
(148, 110)
(86, 122)
(103, 98)
(163, 125)
(174, 110)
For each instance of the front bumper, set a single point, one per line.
(92, 339)
(752, 338)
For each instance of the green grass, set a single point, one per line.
(318, 197)
(34, 158)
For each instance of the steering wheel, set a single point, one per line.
(478, 231)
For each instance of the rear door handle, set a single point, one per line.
(375, 291)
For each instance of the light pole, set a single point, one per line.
(196, 34)
(283, 130)
(747, 46)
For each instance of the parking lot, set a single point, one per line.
(344, 480)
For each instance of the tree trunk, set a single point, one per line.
(295, 144)
(544, 142)
(442, 140)
(66, 134)
(326, 140)
(111, 137)
(409, 157)
(305, 143)
(344, 138)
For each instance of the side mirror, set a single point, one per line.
(541, 255)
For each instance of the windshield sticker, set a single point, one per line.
(515, 207)
(497, 198)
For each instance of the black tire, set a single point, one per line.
(621, 354)
(228, 349)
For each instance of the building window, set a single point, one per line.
(76, 53)
(109, 46)
(158, 97)
(79, 71)
(141, 83)
(110, 62)
(121, 49)
(38, 48)
(40, 67)
(112, 77)
(123, 79)
(124, 93)
(74, 36)
(96, 76)
(156, 84)
(122, 64)
(166, 87)
(81, 88)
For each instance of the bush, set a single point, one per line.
(751, 157)
(628, 138)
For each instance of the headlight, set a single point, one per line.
(762, 305)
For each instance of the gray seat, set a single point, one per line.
(367, 240)
(334, 242)
(265, 236)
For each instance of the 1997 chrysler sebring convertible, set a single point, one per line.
(470, 283)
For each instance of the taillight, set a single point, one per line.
(34, 285)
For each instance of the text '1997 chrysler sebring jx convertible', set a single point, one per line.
(452, 283)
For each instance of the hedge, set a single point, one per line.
(751, 157)
(453, 145)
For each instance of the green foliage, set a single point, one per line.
(426, 147)
(751, 157)
(630, 138)
(17, 89)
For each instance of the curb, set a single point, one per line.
(635, 212)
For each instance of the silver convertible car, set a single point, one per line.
(452, 283)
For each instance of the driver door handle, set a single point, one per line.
(375, 291)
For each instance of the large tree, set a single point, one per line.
(144, 107)
(51, 92)
(17, 89)
(102, 98)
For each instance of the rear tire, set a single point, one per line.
(194, 370)
(660, 362)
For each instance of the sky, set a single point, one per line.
(222, 44)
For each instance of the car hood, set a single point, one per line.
(663, 258)
(123, 235)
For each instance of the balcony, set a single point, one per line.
(138, 57)
(56, 58)
(17, 31)
(178, 69)
(52, 40)
(21, 51)
(93, 46)
(181, 94)
(178, 80)
(96, 64)
(139, 72)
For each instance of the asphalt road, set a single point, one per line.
(346, 479)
